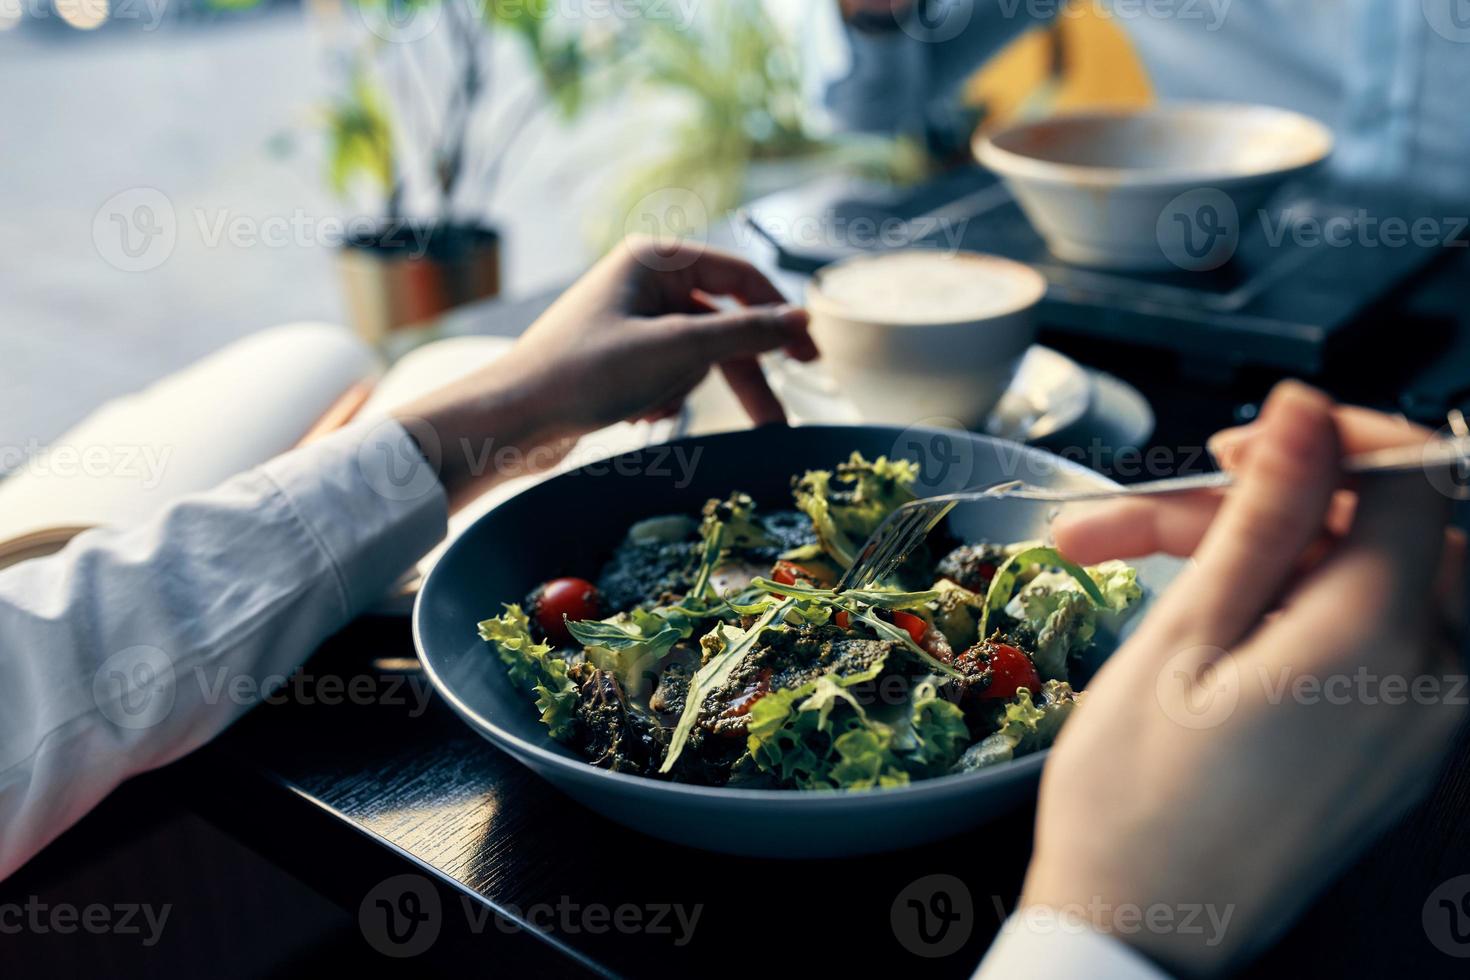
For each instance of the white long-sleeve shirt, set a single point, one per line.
(113, 650)
(127, 649)
(1061, 950)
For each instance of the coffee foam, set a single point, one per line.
(922, 287)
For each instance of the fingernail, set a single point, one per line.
(1294, 392)
(1299, 417)
(1226, 444)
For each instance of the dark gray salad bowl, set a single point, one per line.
(570, 524)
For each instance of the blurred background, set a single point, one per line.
(184, 172)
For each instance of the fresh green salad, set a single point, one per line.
(714, 650)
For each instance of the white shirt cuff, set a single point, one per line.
(1038, 944)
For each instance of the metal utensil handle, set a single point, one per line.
(1440, 454)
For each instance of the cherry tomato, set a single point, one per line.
(573, 598)
(913, 625)
(1010, 670)
(787, 573)
(908, 622)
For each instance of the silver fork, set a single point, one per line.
(907, 526)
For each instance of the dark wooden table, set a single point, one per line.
(383, 800)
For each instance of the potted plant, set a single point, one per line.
(433, 60)
(749, 129)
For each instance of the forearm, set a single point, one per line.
(131, 648)
(507, 420)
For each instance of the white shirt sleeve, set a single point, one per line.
(132, 647)
(1047, 946)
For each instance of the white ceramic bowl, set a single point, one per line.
(915, 350)
(1125, 189)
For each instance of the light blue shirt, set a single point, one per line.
(1391, 77)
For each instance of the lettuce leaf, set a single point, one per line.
(1004, 580)
(1118, 582)
(1026, 726)
(1064, 618)
(630, 645)
(818, 736)
(534, 668)
(794, 734)
(935, 733)
(847, 506)
(956, 612)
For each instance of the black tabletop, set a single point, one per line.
(431, 843)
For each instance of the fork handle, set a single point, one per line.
(1440, 454)
(1403, 459)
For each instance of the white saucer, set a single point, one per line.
(1049, 393)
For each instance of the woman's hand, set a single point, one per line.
(1284, 701)
(626, 341)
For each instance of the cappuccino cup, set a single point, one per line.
(923, 335)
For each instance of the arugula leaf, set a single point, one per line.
(881, 598)
(533, 667)
(864, 611)
(713, 533)
(728, 523)
(714, 674)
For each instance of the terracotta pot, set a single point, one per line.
(403, 275)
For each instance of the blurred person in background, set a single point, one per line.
(1388, 76)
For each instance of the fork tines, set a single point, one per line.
(900, 533)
